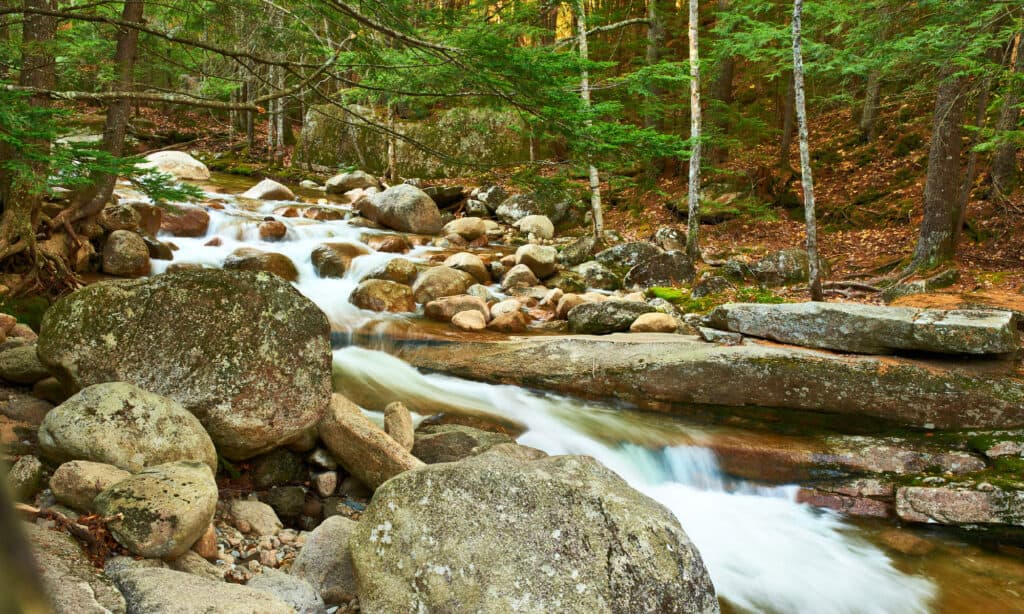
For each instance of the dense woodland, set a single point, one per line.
(913, 110)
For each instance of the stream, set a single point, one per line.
(765, 552)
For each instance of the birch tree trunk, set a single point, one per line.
(595, 181)
(693, 195)
(805, 156)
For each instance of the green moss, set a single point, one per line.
(758, 295)
(672, 295)
(28, 310)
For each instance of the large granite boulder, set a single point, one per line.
(76, 483)
(352, 180)
(68, 578)
(252, 259)
(125, 254)
(244, 352)
(439, 282)
(268, 189)
(21, 365)
(177, 163)
(406, 208)
(122, 425)
(162, 510)
(665, 269)
(624, 256)
(495, 534)
(606, 317)
(152, 589)
(872, 329)
(961, 505)
(326, 562)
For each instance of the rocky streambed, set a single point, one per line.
(198, 440)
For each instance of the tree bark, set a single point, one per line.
(936, 244)
(693, 193)
(786, 144)
(869, 116)
(595, 181)
(964, 197)
(92, 199)
(721, 91)
(807, 180)
(1005, 174)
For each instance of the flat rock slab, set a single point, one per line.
(872, 329)
(960, 505)
(653, 370)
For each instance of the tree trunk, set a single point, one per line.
(869, 116)
(92, 199)
(936, 242)
(20, 190)
(595, 181)
(964, 197)
(721, 91)
(392, 172)
(814, 267)
(693, 194)
(655, 34)
(786, 145)
(1005, 174)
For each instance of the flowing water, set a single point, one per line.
(764, 551)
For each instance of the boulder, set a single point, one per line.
(444, 309)
(352, 180)
(406, 208)
(76, 483)
(389, 244)
(120, 424)
(560, 534)
(960, 505)
(539, 258)
(514, 322)
(360, 446)
(656, 322)
(125, 254)
(624, 256)
(268, 189)
(469, 228)
(192, 563)
(711, 284)
(440, 281)
(276, 468)
(670, 239)
(398, 270)
(555, 207)
(21, 365)
(596, 275)
(158, 250)
(26, 478)
(383, 295)
(295, 592)
(666, 269)
(446, 195)
(537, 225)
(447, 443)
(166, 590)
(872, 329)
(490, 196)
(260, 517)
(163, 509)
(519, 276)
(506, 306)
(333, 259)
(119, 217)
(244, 352)
(580, 250)
(788, 266)
(567, 281)
(654, 370)
(69, 579)
(470, 263)
(177, 163)
(188, 221)
(251, 259)
(272, 230)
(470, 321)
(326, 561)
(607, 317)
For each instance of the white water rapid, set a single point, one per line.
(765, 552)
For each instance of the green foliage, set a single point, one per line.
(28, 310)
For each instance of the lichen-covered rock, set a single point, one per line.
(252, 259)
(554, 206)
(406, 208)
(25, 478)
(493, 534)
(21, 365)
(177, 163)
(666, 269)
(398, 424)
(447, 443)
(383, 295)
(268, 189)
(788, 266)
(398, 270)
(606, 317)
(519, 276)
(537, 225)
(580, 250)
(872, 329)
(165, 590)
(960, 505)
(163, 509)
(69, 579)
(361, 446)
(624, 256)
(539, 258)
(440, 281)
(122, 425)
(277, 467)
(76, 483)
(119, 217)
(596, 275)
(326, 561)
(333, 259)
(244, 352)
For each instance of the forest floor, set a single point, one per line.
(868, 197)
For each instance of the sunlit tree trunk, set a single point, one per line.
(805, 156)
(595, 181)
(935, 244)
(693, 195)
